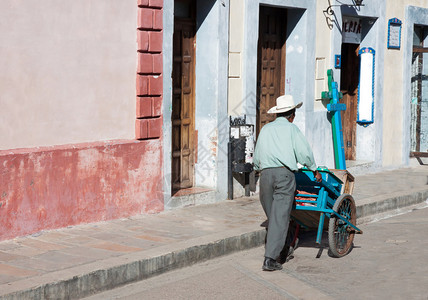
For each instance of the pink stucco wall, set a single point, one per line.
(67, 71)
(57, 186)
(53, 187)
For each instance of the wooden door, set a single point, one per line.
(349, 79)
(183, 104)
(270, 62)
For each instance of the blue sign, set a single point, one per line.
(394, 33)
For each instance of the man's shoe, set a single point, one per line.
(271, 265)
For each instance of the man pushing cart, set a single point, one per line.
(280, 146)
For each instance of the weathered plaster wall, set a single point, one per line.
(67, 71)
(369, 139)
(211, 92)
(236, 47)
(393, 92)
(299, 81)
(322, 139)
(168, 31)
(53, 187)
(207, 98)
(300, 70)
(69, 75)
(397, 81)
(322, 52)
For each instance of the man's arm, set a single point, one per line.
(304, 154)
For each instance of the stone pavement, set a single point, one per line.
(78, 261)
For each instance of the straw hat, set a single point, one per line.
(284, 103)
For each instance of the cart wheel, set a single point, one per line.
(340, 234)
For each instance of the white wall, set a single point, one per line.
(397, 70)
(67, 71)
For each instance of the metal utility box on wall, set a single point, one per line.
(239, 163)
(242, 139)
(241, 151)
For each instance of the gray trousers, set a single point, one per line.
(277, 190)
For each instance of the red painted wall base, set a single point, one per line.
(54, 187)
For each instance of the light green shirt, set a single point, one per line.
(281, 143)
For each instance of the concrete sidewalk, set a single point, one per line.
(82, 260)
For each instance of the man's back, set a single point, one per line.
(281, 143)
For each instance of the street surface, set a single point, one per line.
(389, 261)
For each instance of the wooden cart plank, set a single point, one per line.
(347, 179)
(309, 219)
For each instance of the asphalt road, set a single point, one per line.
(389, 261)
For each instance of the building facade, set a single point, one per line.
(80, 140)
(116, 109)
(323, 35)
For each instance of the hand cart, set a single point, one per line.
(331, 198)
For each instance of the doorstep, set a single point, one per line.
(191, 196)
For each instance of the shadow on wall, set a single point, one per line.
(182, 9)
(203, 9)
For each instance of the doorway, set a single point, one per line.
(183, 95)
(349, 80)
(419, 92)
(270, 62)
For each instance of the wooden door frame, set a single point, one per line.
(352, 120)
(174, 187)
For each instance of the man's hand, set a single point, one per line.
(318, 176)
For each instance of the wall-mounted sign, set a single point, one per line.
(337, 61)
(366, 87)
(394, 33)
(351, 30)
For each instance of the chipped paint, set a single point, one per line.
(213, 144)
(55, 187)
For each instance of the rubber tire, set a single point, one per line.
(334, 223)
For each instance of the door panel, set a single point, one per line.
(349, 87)
(183, 112)
(270, 62)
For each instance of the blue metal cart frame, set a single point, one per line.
(325, 199)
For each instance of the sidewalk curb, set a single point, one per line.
(140, 266)
(368, 210)
(108, 278)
